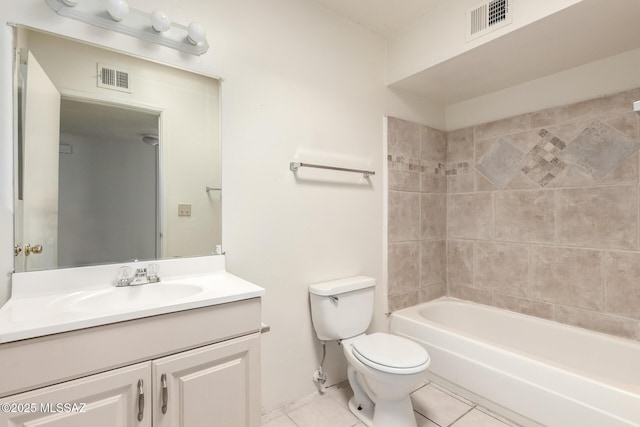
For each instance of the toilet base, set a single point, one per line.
(364, 414)
(394, 413)
(397, 413)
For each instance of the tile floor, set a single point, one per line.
(434, 406)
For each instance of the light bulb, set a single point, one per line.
(160, 21)
(196, 33)
(118, 9)
(71, 3)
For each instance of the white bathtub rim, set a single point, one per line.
(412, 314)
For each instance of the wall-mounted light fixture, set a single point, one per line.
(116, 15)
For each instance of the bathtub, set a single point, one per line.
(535, 371)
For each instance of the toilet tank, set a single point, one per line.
(342, 308)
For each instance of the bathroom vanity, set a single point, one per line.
(80, 345)
(194, 360)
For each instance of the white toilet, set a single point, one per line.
(383, 369)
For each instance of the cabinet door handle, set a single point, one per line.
(140, 401)
(165, 393)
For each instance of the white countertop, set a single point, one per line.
(32, 312)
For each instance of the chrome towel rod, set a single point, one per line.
(294, 166)
(213, 189)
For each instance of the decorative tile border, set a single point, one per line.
(427, 166)
(460, 168)
(416, 165)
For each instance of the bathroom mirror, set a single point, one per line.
(117, 158)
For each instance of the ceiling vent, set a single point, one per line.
(482, 18)
(112, 78)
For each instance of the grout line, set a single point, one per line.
(463, 415)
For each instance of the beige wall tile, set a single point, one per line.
(468, 293)
(571, 177)
(433, 256)
(567, 132)
(626, 173)
(404, 216)
(567, 276)
(599, 150)
(625, 123)
(470, 216)
(400, 301)
(404, 267)
(434, 216)
(502, 267)
(511, 125)
(603, 217)
(482, 146)
(622, 283)
(522, 182)
(401, 180)
(567, 113)
(460, 262)
(460, 145)
(431, 183)
(596, 321)
(432, 292)
(614, 104)
(525, 306)
(482, 183)
(525, 216)
(501, 163)
(524, 141)
(433, 144)
(460, 183)
(403, 138)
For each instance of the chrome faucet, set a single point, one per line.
(142, 275)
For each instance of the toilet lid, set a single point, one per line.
(391, 353)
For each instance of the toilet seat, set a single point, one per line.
(391, 353)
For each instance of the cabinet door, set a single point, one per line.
(216, 385)
(109, 399)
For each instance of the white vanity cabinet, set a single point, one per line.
(213, 385)
(108, 399)
(201, 365)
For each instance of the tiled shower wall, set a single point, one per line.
(417, 213)
(542, 215)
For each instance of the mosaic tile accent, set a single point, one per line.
(599, 149)
(542, 162)
(433, 167)
(416, 165)
(461, 168)
(501, 163)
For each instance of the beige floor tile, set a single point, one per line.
(341, 393)
(452, 394)
(322, 412)
(438, 406)
(498, 416)
(281, 421)
(424, 422)
(476, 418)
(270, 416)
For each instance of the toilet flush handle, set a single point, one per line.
(334, 299)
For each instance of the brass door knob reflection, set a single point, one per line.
(16, 250)
(36, 249)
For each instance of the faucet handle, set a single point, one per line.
(124, 276)
(152, 272)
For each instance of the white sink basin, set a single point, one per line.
(130, 297)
